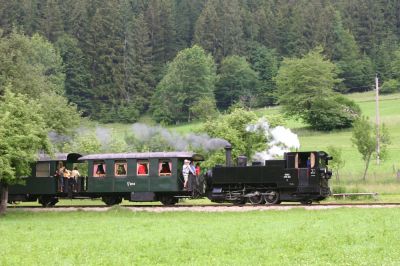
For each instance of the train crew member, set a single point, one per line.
(185, 172)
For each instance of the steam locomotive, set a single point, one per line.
(157, 176)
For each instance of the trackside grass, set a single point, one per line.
(121, 237)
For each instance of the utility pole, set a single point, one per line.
(377, 118)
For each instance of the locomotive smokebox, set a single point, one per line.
(228, 154)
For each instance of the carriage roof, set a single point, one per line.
(58, 157)
(143, 155)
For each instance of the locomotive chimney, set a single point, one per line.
(228, 153)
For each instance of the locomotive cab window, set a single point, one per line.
(305, 160)
(143, 168)
(99, 169)
(164, 168)
(120, 168)
(42, 169)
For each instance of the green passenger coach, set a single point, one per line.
(152, 176)
(43, 184)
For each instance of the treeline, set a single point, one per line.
(115, 53)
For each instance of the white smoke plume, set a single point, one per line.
(280, 140)
(178, 141)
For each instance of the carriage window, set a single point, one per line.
(164, 168)
(99, 169)
(42, 169)
(120, 168)
(143, 168)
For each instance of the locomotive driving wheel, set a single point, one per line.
(256, 198)
(272, 197)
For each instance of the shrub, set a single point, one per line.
(390, 86)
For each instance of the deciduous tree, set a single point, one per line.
(305, 90)
(23, 133)
(237, 82)
(364, 138)
(189, 78)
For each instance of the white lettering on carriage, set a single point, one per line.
(129, 184)
(287, 176)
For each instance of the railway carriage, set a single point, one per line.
(43, 184)
(153, 176)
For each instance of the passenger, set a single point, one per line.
(75, 177)
(198, 169)
(142, 169)
(100, 170)
(165, 168)
(60, 174)
(121, 170)
(75, 173)
(192, 168)
(66, 177)
(185, 172)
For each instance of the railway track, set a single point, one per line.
(209, 206)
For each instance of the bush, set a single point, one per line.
(390, 86)
(333, 113)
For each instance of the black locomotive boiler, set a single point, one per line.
(299, 176)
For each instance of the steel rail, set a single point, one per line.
(210, 205)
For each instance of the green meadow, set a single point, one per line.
(121, 237)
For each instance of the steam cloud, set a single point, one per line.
(177, 141)
(280, 140)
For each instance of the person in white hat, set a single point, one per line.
(185, 172)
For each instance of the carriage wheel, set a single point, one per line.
(48, 201)
(168, 200)
(110, 200)
(257, 198)
(272, 197)
(306, 202)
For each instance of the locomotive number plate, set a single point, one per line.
(287, 176)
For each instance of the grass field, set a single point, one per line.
(121, 237)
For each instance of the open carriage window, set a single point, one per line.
(42, 169)
(164, 168)
(99, 169)
(143, 168)
(120, 168)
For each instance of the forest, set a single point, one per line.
(172, 59)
